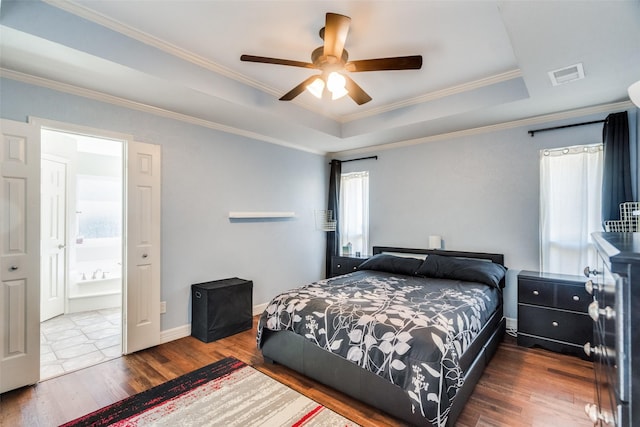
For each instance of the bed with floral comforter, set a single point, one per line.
(410, 329)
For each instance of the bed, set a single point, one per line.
(410, 332)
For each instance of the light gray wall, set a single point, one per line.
(206, 174)
(480, 193)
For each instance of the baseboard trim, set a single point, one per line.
(258, 309)
(175, 333)
(185, 330)
(512, 324)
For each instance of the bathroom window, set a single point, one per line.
(99, 206)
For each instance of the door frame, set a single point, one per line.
(127, 142)
(103, 134)
(140, 161)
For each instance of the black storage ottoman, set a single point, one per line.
(221, 308)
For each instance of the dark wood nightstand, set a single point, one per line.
(552, 312)
(343, 264)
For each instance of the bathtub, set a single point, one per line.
(95, 286)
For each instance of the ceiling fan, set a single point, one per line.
(332, 59)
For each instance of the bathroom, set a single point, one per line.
(81, 251)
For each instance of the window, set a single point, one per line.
(354, 212)
(570, 207)
(99, 207)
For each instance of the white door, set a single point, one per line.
(142, 298)
(53, 238)
(19, 255)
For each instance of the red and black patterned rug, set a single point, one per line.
(225, 393)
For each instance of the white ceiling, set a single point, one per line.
(484, 62)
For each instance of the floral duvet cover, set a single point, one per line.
(410, 330)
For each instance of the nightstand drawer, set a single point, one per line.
(536, 292)
(573, 298)
(558, 325)
(344, 264)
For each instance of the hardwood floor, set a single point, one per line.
(520, 387)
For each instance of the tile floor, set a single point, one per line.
(75, 341)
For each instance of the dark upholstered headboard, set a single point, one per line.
(496, 258)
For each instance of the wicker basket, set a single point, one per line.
(629, 218)
(324, 220)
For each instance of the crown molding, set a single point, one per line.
(580, 112)
(105, 21)
(119, 27)
(432, 96)
(122, 102)
(134, 105)
(141, 36)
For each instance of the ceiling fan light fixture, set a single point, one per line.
(330, 59)
(316, 87)
(336, 84)
(339, 93)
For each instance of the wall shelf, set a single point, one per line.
(257, 215)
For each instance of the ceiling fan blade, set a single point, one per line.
(265, 60)
(335, 34)
(413, 62)
(356, 92)
(298, 89)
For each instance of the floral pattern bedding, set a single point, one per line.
(410, 330)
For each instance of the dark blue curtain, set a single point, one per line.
(616, 178)
(333, 237)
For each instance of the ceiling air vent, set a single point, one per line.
(567, 74)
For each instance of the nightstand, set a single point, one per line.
(343, 264)
(552, 312)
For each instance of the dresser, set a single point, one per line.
(615, 312)
(552, 312)
(343, 264)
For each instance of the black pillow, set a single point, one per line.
(391, 264)
(470, 270)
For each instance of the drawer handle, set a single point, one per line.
(596, 415)
(339, 265)
(576, 298)
(598, 350)
(591, 350)
(554, 323)
(595, 311)
(536, 293)
(589, 286)
(13, 268)
(587, 272)
(355, 268)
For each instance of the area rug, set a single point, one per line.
(225, 393)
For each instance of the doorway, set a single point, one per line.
(20, 255)
(81, 251)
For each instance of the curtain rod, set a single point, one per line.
(533, 132)
(355, 160)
